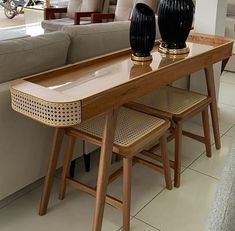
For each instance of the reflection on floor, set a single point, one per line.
(153, 207)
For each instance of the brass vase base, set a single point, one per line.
(173, 51)
(141, 60)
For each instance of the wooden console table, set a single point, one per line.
(70, 95)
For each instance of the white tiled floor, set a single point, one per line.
(153, 207)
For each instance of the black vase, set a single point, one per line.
(142, 32)
(175, 19)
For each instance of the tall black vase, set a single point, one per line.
(142, 32)
(175, 19)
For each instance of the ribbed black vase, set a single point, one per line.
(175, 19)
(142, 32)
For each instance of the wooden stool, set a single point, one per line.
(134, 131)
(177, 105)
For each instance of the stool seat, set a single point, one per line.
(132, 130)
(177, 105)
(172, 100)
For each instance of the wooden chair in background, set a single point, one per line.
(78, 12)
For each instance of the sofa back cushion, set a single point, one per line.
(125, 7)
(85, 6)
(27, 56)
(92, 40)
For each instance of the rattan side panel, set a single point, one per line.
(52, 114)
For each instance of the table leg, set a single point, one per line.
(55, 150)
(213, 106)
(104, 166)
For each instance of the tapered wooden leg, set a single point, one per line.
(178, 154)
(213, 106)
(127, 167)
(104, 166)
(165, 162)
(57, 141)
(66, 165)
(206, 128)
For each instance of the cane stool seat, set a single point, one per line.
(177, 105)
(172, 100)
(134, 131)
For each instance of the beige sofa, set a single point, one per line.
(24, 143)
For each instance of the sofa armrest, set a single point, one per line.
(49, 13)
(79, 15)
(96, 18)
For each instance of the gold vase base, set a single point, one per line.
(181, 51)
(141, 60)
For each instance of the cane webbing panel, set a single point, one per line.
(52, 114)
(172, 100)
(131, 126)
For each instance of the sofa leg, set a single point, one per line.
(72, 169)
(87, 161)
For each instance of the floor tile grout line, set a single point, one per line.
(204, 174)
(119, 229)
(147, 224)
(229, 130)
(189, 166)
(149, 201)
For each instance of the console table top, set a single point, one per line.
(99, 84)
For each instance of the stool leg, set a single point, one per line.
(104, 166)
(56, 144)
(127, 167)
(178, 154)
(213, 106)
(165, 162)
(66, 165)
(206, 128)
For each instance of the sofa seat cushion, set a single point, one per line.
(58, 24)
(27, 56)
